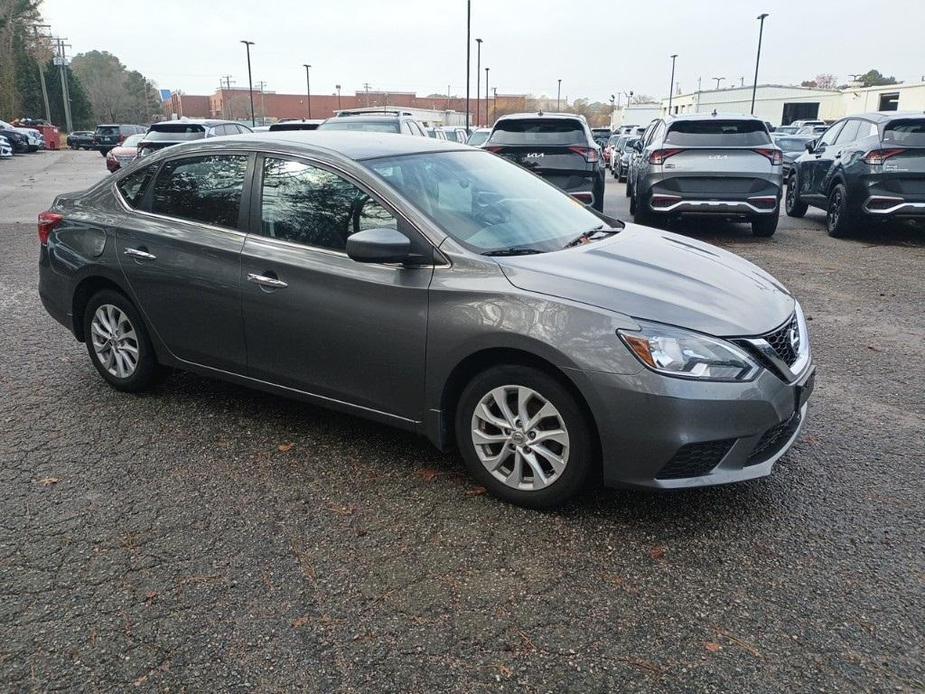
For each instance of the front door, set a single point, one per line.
(814, 167)
(314, 319)
(181, 256)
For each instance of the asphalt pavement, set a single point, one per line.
(208, 537)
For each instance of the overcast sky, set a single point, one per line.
(420, 45)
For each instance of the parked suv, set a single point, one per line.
(80, 139)
(709, 164)
(866, 167)
(111, 135)
(557, 146)
(173, 132)
(398, 122)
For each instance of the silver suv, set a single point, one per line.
(708, 164)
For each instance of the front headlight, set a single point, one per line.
(685, 354)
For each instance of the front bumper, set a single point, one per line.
(666, 433)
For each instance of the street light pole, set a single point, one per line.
(478, 77)
(250, 81)
(760, 18)
(674, 57)
(468, 52)
(486, 91)
(558, 95)
(308, 89)
(338, 96)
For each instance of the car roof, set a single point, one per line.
(713, 116)
(196, 121)
(355, 145)
(367, 118)
(540, 114)
(885, 116)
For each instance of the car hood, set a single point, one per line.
(656, 275)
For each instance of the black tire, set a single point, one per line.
(765, 227)
(146, 368)
(794, 206)
(641, 213)
(599, 196)
(629, 189)
(838, 221)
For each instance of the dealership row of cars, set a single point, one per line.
(19, 139)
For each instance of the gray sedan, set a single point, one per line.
(437, 288)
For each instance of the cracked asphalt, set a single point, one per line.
(207, 537)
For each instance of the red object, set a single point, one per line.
(48, 222)
(659, 200)
(660, 155)
(775, 156)
(878, 156)
(765, 202)
(586, 198)
(119, 154)
(51, 135)
(591, 154)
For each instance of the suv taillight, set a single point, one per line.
(590, 154)
(48, 222)
(775, 156)
(659, 156)
(492, 148)
(875, 157)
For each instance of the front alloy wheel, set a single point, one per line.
(524, 435)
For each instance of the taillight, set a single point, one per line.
(775, 156)
(48, 222)
(492, 148)
(121, 139)
(590, 154)
(659, 156)
(875, 157)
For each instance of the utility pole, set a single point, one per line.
(486, 89)
(494, 106)
(263, 104)
(250, 81)
(41, 63)
(761, 17)
(61, 60)
(308, 89)
(366, 87)
(478, 76)
(227, 98)
(674, 57)
(468, 51)
(558, 95)
(337, 86)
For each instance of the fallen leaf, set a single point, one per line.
(427, 474)
(299, 623)
(48, 481)
(658, 552)
(151, 596)
(712, 647)
(476, 491)
(505, 671)
(285, 447)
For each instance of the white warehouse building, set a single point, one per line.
(781, 105)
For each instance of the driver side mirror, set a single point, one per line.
(382, 245)
(810, 146)
(637, 146)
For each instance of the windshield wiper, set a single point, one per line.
(588, 234)
(514, 250)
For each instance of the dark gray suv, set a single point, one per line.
(710, 165)
(438, 288)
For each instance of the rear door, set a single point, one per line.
(181, 255)
(815, 167)
(555, 148)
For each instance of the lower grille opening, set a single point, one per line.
(773, 440)
(695, 459)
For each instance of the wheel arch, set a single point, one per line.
(83, 292)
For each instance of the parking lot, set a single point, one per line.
(209, 537)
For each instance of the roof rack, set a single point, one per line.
(374, 112)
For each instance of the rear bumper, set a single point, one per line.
(889, 206)
(673, 204)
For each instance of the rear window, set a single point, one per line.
(276, 127)
(908, 132)
(718, 133)
(791, 144)
(107, 130)
(536, 131)
(174, 131)
(367, 126)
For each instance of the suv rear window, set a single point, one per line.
(367, 126)
(107, 130)
(538, 131)
(908, 132)
(174, 132)
(717, 133)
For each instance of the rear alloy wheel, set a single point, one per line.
(837, 219)
(118, 342)
(766, 226)
(795, 208)
(523, 436)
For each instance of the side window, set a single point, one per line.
(866, 129)
(828, 137)
(650, 132)
(201, 189)
(406, 128)
(849, 133)
(133, 186)
(311, 206)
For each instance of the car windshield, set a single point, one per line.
(477, 138)
(791, 144)
(132, 140)
(909, 132)
(538, 131)
(486, 203)
(172, 132)
(717, 133)
(362, 125)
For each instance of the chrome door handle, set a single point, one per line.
(265, 281)
(141, 255)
